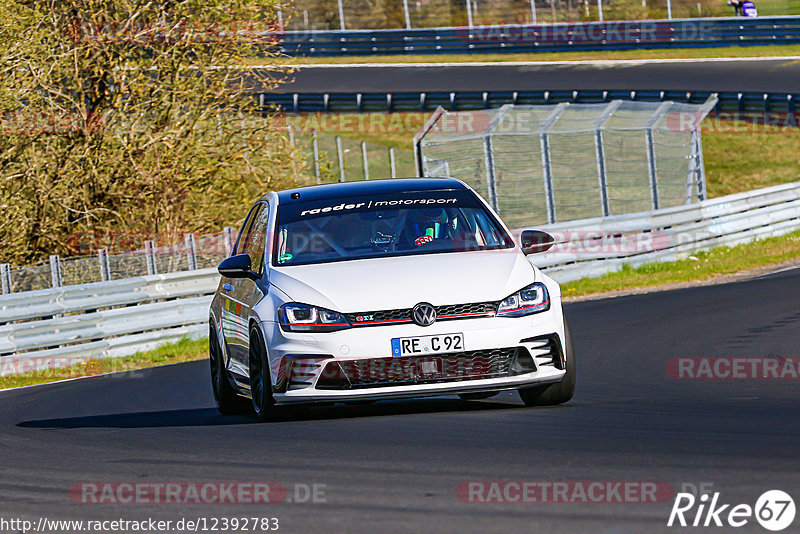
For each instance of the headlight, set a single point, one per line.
(532, 299)
(305, 318)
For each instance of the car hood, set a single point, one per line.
(402, 282)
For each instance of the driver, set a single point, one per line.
(426, 224)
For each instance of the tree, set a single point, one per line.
(131, 116)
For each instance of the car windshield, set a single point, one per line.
(422, 222)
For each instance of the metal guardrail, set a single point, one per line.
(729, 102)
(559, 37)
(592, 247)
(62, 325)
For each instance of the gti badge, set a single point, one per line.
(423, 314)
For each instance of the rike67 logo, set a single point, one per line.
(774, 510)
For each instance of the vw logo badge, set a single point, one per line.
(423, 314)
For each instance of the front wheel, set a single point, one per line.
(260, 383)
(560, 392)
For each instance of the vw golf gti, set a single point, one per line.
(384, 289)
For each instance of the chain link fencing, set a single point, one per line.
(321, 158)
(323, 15)
(543, 164)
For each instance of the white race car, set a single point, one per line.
(384, 289)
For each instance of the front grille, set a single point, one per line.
(410, 370)
(443, 313)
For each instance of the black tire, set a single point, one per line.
(260, 382)
(226, 399)
(480, 395)
(560, 392)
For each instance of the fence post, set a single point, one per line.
(491, 183)
(292, 151)
(341, 16)
(601, 155)
(701, 178)
(150, 257)
(55, 270)
(105, 268)
(191, 251)
(364, 159)
(392, 168)
(601, 169)
(228, 238)
(547, 165)
(315, 146)
(693, 177)
(408, 18)
(5, 277)
(340, 155)
(652, 168)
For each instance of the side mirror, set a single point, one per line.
(534, 241)
(239, 266)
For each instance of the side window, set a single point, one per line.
(245, 231)
(256, 239)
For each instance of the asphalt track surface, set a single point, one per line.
(771, 75)
(394, 466)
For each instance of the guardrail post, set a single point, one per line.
(315, 147)
(228, 239)
(55, 270)
(150, 257)
(392, 168)
(364, 159)
(5, 277)
(105, 268)
(191, 251)
(491, 183)
(340, 156)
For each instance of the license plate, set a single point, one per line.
(414, 346)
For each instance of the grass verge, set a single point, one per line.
(185, 350)
(698, 267)
(672, 53)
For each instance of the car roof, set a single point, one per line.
(367, 187)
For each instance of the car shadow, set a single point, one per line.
(210, 417)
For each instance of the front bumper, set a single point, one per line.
(299, 360)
